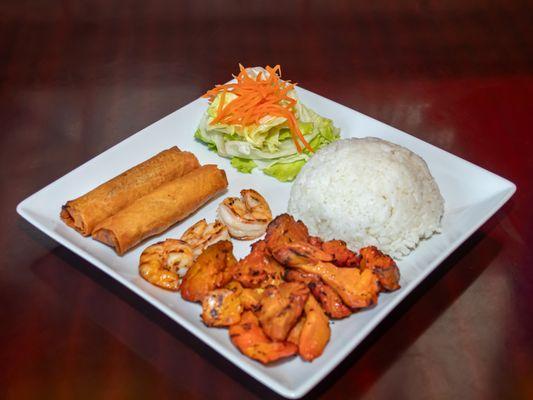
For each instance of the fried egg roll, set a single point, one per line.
(160, 209)
(85, 212)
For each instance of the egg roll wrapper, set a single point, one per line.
(157, 211)
(85, 212)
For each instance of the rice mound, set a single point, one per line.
(368, 192)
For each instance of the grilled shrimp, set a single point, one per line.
(164, 263)
(202, 235)
(246, 217)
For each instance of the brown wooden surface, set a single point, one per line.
(77, 77)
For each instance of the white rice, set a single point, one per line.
(368, 192)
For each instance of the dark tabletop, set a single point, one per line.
(78, 77)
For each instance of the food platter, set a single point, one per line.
(471, 195)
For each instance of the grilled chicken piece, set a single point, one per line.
(382, 266)
(284, 229)
(249, 298)
(312, 332)
(259, 268)
(211, 270)
(296, 331)
(342, 256)
(294, 275)
(221, 307)
(330, 301)
(250, 339)
(303, 253)
(280, 308)
(315, 332)
(356, 288)
(324, 294)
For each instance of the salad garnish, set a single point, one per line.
(263, 96)
(258, 121)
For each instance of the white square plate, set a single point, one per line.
(472, 195)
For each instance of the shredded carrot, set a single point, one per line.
(257, 98)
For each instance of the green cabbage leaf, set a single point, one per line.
(269, 145)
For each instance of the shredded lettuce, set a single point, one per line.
(284, 134)
(243, 165)
(268, 146)
(285, 172)
(210, 145)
